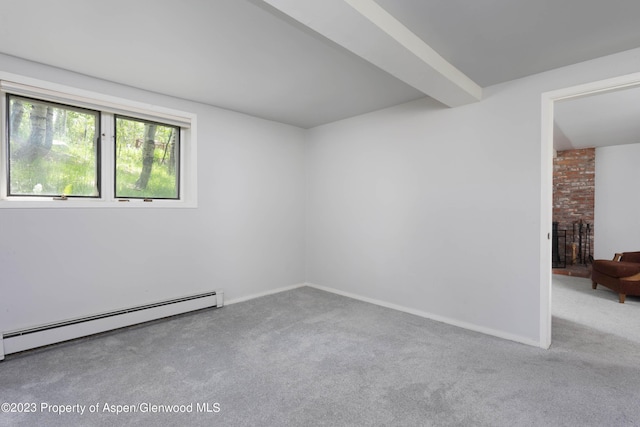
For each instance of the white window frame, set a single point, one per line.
(108, 106)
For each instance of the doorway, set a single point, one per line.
(549, 100)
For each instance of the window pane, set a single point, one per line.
(53, 149)
(146, 159)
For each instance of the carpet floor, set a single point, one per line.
(311, 358)
(574, 300)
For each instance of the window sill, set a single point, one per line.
(39, 203)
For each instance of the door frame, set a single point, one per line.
(546, 212)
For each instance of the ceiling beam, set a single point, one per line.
(367, 30)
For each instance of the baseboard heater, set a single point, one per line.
(38, 336)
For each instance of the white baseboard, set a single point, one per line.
(264, 294)
(23, 343)
(431, 316)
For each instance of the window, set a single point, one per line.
(146, 159)
(90, 150)
(53, 149)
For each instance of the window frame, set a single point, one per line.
(98, 151)
(115, 148)
(108, 107)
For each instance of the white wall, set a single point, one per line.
(246, 236)
(617, 200)
(438, 210)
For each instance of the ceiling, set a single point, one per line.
(314, 62)
(598, 120)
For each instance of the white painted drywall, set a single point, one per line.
(617, 200)
(246, 236)
(439, 210)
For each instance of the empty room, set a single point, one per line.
(337, 212)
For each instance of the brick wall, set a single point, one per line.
(573, 194)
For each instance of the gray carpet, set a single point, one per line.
(576, 301)
(311, 358)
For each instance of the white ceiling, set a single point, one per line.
(312, 62)
(599, 120)
(494, 41)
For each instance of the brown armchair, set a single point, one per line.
(622, 274)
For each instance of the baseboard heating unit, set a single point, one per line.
(38, 336)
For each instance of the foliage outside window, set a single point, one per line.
(53, 149)
(146, 159)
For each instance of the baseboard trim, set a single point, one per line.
(265, 293)
(431, 316)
